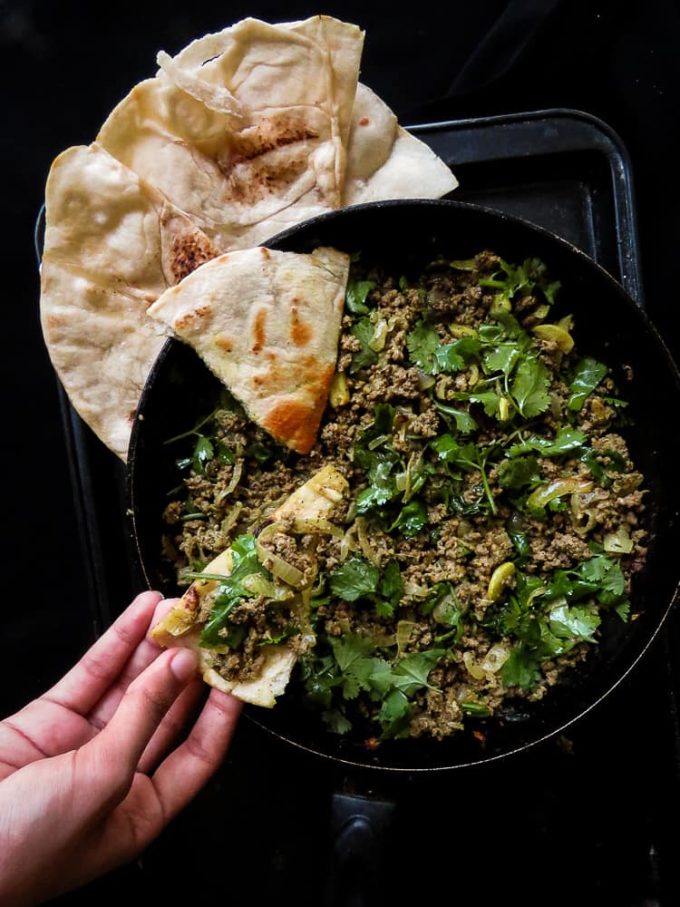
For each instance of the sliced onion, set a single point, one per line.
(425, 382)
(339, 392)
(495, 658)
(544, 494)
(405, 630)
(618, 542)
(257, 584)
(317, 527)
(369, 553)
(413, 590)
(557, 334)
(233, 482)
(377, 341)
(473, 669)
(231, 518)
(347, 542)
(279, 568)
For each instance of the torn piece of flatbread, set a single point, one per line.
(182, 626)
(385, 161)
(112, 245)
(246, 125)
(267, 323)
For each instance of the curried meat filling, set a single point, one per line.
(494, 521)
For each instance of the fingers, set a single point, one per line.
(112, 756)
(183, 709)
(146, 652)
(185, 771)
(86, 683)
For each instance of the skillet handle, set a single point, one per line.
(360, 829)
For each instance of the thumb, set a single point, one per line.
(112, 756)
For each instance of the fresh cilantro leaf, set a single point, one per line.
(502, 358)
(623, 610)
(587, 375)
(394, 714)
(518, 538)
(353, 657)
(447, 359)
(530, 387)
(382, 487)
(567, 440)
(411, 673)
(203, 453)
(391, 583)
(576, 623)
(518, 473)
(336, 721)
(520, 669)
(411, 519)
(363, 331)
(354, 578)
(356, 295)
(224, 454)
(244, 562)
(422, 343)
(464, 421)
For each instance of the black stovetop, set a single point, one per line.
(584, 819)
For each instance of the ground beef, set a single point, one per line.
(469, 524)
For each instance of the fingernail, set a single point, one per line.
(184, 664)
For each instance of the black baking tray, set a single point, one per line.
(564, 170)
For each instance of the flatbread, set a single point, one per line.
(267, 323)
(182, 625)
(385, 161)
(245, 126)
(112, 245)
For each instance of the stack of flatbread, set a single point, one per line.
(240, 135)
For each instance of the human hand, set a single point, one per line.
(84, 786)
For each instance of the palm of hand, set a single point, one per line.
(77, 765)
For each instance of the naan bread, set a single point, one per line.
(246, 130)
(112, 245)
(182, 625)
(267, 323)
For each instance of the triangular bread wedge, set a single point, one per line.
(267, 323)
(182, 626)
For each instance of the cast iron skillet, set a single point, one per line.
(609, 326)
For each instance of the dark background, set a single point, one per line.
(63, 66)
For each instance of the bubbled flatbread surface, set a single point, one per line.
(267, 323)
(112, 246)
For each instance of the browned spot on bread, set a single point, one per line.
(300, 331)
(296, 422)
(186, 321)
(253, 166)
(364, 121)
(191, 599)
(224, 342)
(265, 253)
(259, 330)
(189, 251)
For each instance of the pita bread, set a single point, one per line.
(267, 324)
(182, 625)
(112, 246)
(246, 125)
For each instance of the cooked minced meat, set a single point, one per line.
(494, 521)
